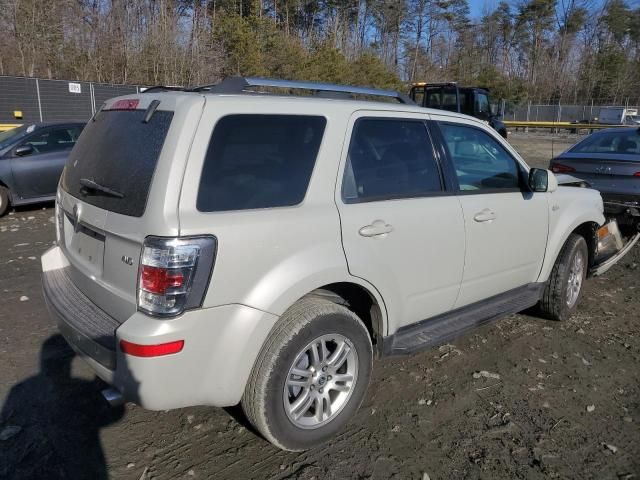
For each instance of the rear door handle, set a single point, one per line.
(485, 215)
(377, 228)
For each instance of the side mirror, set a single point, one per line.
(24, 150)
(541, 180)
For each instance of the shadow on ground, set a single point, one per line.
(50, 422)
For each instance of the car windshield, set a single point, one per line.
(624, 141)
(10, 136)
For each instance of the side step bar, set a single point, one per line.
(445, 327)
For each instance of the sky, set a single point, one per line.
(479, 7)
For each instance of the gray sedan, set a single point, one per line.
(609, 160)
(31, 160)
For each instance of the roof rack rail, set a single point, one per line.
(163, 87)
(240, 84)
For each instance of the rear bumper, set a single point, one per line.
(220, 346)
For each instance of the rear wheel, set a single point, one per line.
(4, 200)
(562, 293)
(311, 375)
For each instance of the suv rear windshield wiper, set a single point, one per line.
(91, 185)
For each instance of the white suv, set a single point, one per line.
(218, 245)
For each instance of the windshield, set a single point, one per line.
(624, 141)
(8, 137)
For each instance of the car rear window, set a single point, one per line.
(259, 161)
(118, 151)
(623, 141)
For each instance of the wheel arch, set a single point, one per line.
(586, 229)
(361, 301)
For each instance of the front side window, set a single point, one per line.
(259, 161)
(390, 158)
(481, 163)
(53, 139)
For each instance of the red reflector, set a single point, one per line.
(159, 280)
(560, 168)
(127, 104)
(151, 350)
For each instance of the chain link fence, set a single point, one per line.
(37, 100)
(556, 113)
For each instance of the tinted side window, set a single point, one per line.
(481, 163)
(53, 139)
(389, 159)
(259, 161)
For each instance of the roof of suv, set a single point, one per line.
(338, 96)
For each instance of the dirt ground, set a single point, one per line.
(548, 399)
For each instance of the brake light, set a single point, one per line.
(138, 350)
(637, 174)
(174, 274)
(160, 280)
(126, 104)
(560, 168)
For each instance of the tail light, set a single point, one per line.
(637, 174)
(174, 274)
(560, 168)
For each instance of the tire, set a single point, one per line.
(557, 302)
(4, 200)
(269, 403)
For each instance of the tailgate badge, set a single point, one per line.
(127, 260)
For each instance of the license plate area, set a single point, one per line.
(84, 245)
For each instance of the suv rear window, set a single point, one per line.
(118, 151)
(259, 161)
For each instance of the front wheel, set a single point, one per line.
(4, 200)
(311, 375)
(564, 288)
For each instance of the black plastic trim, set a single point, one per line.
(445, 327)
(85, 326)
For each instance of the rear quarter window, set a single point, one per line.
(259, 161)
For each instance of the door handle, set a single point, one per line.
(485, 215)
(377, 228)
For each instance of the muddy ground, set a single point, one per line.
(559, 400)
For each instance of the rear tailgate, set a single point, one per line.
(121, 184)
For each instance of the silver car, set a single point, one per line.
(218, 246)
